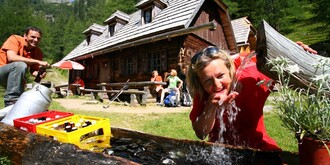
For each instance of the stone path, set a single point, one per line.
(82, 104)
(117, 107)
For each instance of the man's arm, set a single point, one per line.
(13, 57)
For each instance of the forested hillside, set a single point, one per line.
(63, 23)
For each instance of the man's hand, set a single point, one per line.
(44, 63)
(43, 75)
(306, 47)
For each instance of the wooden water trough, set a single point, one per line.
(199, 152)
(22, 147)
(271, 44)
(28, 148)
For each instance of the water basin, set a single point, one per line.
(150, 149)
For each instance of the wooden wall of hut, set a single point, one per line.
(192, 44)
(173, 53)
(136, 63)
(215, 37)
(252, 40)
(133, 63)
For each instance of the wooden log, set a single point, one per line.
(271, 44)
(28, 148)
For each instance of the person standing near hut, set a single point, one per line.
(16, 55)
(158, 88)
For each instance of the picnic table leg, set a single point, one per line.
(104, 95)
(141, 99)
(58, 92)
(133, 99)
(145, 95)
(144, 99)
(94, 95)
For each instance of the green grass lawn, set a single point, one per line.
(174, 125)
(308, 30)
(177, 125)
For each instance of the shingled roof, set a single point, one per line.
(96, 28)
(144, 2)
(177, 15)
(242, 28)
(118, 14)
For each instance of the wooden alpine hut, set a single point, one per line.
(245, 34)
(161, 35)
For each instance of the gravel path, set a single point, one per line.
(83, 104)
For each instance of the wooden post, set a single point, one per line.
(271, 44)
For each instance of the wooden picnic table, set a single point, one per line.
(61, 86)
(67, 86)
(132, 84)
(132, 88)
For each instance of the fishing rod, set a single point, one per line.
(117, 95)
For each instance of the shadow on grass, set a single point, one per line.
(323, 48)
(290, 158)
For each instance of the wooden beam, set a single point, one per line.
(271, 44)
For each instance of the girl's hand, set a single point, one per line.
(229, 99)
(222, 100)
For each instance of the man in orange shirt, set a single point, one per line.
(16, 55)
(77, 90)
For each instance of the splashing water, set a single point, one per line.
(231, 109)
(239, 70)
(221, 155)
(215, 155)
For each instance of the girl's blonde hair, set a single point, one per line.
(203, 61)
(175, 73)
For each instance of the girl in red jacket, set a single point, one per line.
(225, 115)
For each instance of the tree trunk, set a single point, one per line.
(271, 44)
(28, 148)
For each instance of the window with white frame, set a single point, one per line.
(147, 15)
(111, 30)
(155, 62)
(129, 66)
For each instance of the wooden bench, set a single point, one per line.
(142, 99)
(66, 88)
(59, 92)
(142, 86)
